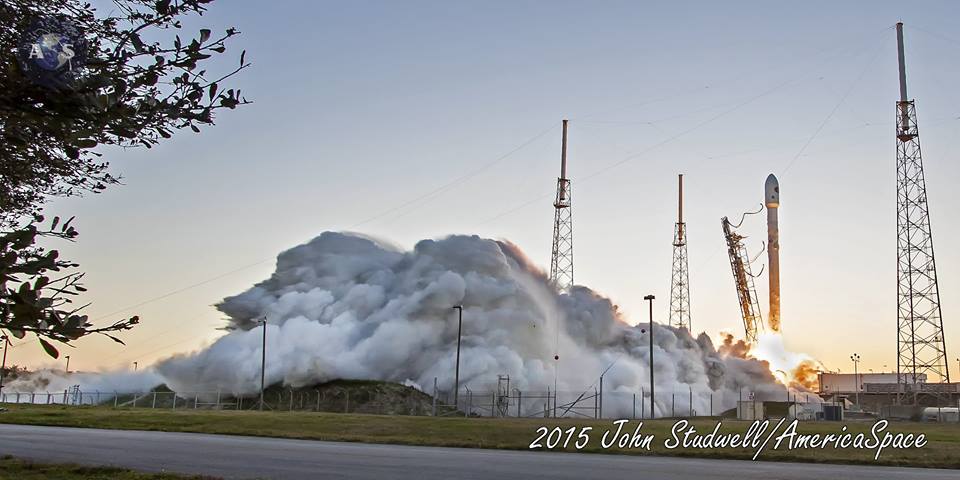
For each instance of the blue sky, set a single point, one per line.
(362, 107)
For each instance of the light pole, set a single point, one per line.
(263, 358)
(653, 412)
(3, 366)
(856, 376)
(68, 364)
(456, 377)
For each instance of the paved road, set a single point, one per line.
(254, 457)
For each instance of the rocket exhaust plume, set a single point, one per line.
(347, 306)
(772, 202)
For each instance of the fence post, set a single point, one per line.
(466, 413)
(434, 407)
(711, 404)
(596, 412)
(690, 403)
(116, 398)
(519, 401)
(135, 400)
(643, 405)
(153, 404)
(218, 399)
(547, 409)
(196, 399)
(174, 401)
(634, 407)
(291, 399)
(318, 400)
(673, 405)
(600, 400)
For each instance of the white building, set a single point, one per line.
(841, 383)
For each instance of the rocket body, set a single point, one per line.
(772, 202)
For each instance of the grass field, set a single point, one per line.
(16, 469)
(941, 451)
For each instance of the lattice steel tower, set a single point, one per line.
(680, 278)
(921, 350)
(561, 258)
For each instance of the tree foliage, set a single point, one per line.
(39, 288)
(139, 84)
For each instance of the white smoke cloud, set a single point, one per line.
(347, 306)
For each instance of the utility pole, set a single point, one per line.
(653, 413)
(856, 376)
(263, 359)
(456, 378)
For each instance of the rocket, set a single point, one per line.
(771, 199)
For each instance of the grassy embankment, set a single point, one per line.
(16, 469)
(941, 451)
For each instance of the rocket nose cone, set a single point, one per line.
(771, 189)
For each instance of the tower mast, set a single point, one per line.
(561, 258)
(680, 277)
(921, 349)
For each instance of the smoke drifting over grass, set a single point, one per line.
(346, 306)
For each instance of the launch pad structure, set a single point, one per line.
(921, 349)
(743, 279)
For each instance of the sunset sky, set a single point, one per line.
(414, 120)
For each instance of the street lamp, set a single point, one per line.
(263, 358)
(456, 378)
(653, 412)
(856, 377)
(68, 363)
(3, 366)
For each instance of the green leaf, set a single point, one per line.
(50, 349)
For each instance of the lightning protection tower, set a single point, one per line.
(921, 351)
(561, 259)
(680, 281)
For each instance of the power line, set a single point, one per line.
(834, 110)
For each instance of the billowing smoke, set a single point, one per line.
(346, 306)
